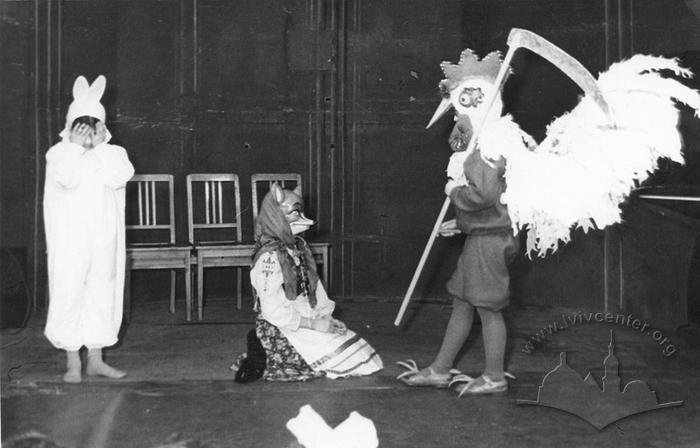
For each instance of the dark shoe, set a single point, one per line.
(252, 367)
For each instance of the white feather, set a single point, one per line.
(585, 167)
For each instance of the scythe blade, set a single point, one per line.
(520, 38)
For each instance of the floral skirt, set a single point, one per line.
(284, 363)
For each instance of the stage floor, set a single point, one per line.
(179, 383)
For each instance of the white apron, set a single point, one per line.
(337, 355)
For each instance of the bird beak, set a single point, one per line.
(444, 106)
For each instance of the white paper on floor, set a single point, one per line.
(312, 431)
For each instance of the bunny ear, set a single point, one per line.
(97, 89)
(80, 87)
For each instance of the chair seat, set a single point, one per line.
(158, 247)
(224, 255)
(217, 243)
(318, 246)
(158, 257)
(155, 244)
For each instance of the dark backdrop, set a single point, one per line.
(337, 90)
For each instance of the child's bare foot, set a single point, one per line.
(72, 376)
(102, 369)
(96, 366)
(74, 367)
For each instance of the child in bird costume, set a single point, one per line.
(589, 162)
(480, 283)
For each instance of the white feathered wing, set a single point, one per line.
(586, 166)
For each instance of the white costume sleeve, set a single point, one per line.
(112, 164)
(68, 163)
(324, 305)
(65, 164)
(268, 281)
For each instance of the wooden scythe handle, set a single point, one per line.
(421, 263)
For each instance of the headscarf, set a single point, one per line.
(273, 234)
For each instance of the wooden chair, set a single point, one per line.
(260, 184)
(150, 233)
(213, 216)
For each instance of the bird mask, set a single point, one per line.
(466, 87)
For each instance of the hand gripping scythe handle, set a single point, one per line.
(517, 38)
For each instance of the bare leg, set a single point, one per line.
(494, 333)
(73, 374)
(458, 328)
(456, 334)
(493, 379)
(96, 366)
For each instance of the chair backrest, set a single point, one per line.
(213, 208)
(260, 184)
(150, 209)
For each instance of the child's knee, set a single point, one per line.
(489, 315)
(459, 303)
(462, 306)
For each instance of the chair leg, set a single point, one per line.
(200, 288)
(326, 270)
(188, 291)
(127, 294)
(239, 288)
(172, 291)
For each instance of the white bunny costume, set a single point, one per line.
(84, 222)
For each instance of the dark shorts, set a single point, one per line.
(481, 277)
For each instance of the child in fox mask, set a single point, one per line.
(296, 331)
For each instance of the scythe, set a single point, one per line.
(517, 38)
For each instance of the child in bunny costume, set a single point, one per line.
(84, 223)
